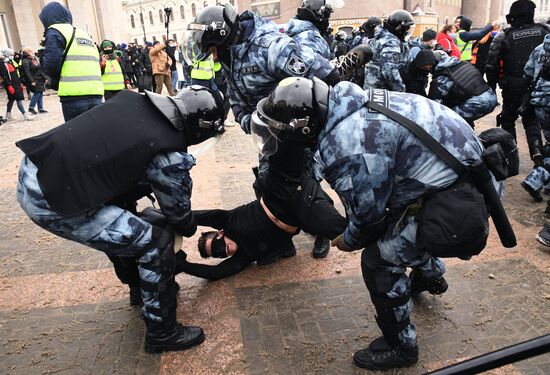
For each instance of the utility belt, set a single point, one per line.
(453, 222)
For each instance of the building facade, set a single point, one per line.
(542, 11)
(20, 26)
(428, 13)
(145, 20)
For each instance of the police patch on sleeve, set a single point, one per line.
(296, 66)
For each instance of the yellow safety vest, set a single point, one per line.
(113, 79)
(203, 69)
(80, 73)
(464, 47)
(16, 66)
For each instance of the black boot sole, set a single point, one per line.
(156, 349)
(317, 255)
(371, 366)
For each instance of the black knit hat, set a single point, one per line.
(428, 35)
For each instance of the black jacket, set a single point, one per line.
(32, 73)
(145, 62)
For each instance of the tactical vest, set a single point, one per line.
(101, 154)
(467, 82)
(113, 79)
(464, 47)
(521, 42)
(80, 73)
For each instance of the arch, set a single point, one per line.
(151, 18)
(132, 21)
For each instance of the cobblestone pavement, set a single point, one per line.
(63, 311)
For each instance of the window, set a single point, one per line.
(271, 9)
(175, 37)
(132, 22)
(161, 16)
(135, 41)
(141, 18)
(205, 4)
(151, 18)
(172, 15)
(182, 14)
(154, 39)
(193, 10)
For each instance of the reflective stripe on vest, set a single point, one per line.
(464, 47)
(217, 66)
(112, 77)
(80, 73)
(203, 70)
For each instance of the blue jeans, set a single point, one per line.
(73, 108)
(19, 105)
(175, 80)
(37, 99)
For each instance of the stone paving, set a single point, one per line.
(62, 310)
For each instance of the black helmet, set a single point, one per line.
(215, 26)
(202, 112)
(400, 23)
(315, 11)
(295, 111)
(522, 12)
(369, 26)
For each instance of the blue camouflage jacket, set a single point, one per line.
(261, 60)
(389, 56)
(306, 34)
(444, 83)
(540, 95)
(374, 163)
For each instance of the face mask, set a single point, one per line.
(107, 51)
(219, 247)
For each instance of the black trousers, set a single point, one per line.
(512, 95)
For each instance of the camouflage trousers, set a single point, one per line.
(384, 266)
(543, 115)
(110, 229)
(477, 106)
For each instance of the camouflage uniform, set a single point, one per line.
(473, 108)
(115, 231)
(389, 56)
(304, 33)
(261, 60)
(540, 94)
(378, 168)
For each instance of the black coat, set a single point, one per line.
(32, 73)
(10, 78)
(145, 62)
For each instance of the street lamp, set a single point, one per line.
(167, 14)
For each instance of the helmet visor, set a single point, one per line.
(199, 149)
(410, 31)
(262, 135)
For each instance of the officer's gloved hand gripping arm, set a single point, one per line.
(172, 185)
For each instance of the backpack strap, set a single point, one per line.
(421, 134)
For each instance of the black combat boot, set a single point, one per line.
(420, 284)
(544, 235)
(535, 150)
(321, 247)
(171, 336)
(535, 194)
(381, 356)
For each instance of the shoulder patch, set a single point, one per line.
(529, 33)
(249, 69)
(84, 42)
(379, 96)
(296, 65)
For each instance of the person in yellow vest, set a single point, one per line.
(466, 38)
(70, 59)
(113, 74)
(202, 72)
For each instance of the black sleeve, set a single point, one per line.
(212, 218)
(228, 267)
(26, 71)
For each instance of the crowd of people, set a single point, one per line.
(359, 111)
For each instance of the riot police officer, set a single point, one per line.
(73, 179)
(309, 24)
(378, 168)
(366, 31)
(461, 87)
(255, 56)
(391, 52)
(511, 49)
